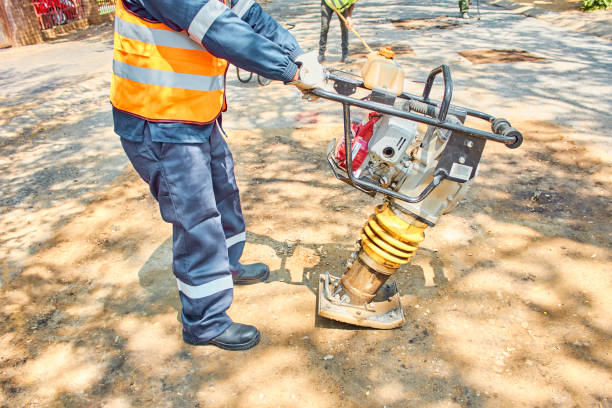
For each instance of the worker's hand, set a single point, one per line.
(310, 74)
(349, 23)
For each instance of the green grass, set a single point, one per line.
(595, 4)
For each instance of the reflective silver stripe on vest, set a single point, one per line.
(155, 36)
(206, 289)
(235, 239)
(242, 7)
(170, 79)
(205, 18)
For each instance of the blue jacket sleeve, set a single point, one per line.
(223, 33)
(263, 24)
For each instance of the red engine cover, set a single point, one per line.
(359, 149)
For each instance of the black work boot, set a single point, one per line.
(249, 274)
(236, 337)
(346, 59)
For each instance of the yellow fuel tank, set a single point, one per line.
(382, 71)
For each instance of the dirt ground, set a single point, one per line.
(553, 5)
(507, 301)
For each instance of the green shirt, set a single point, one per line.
(341, 5)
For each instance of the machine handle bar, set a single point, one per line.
(509, 140)
(503, 132)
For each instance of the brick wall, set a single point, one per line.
(93, 16)
(21, 20)
(21, 23)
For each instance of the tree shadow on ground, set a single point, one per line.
(466, 306)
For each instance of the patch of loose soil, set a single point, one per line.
(507, 300)
(552, 5)
(499, 56)
(436, 23)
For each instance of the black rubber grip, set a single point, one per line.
(502, 127)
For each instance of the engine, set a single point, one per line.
(394, 155)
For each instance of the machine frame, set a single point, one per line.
(423, 110)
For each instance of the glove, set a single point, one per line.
(311, 74)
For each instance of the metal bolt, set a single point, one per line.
(461, 159)
(469, 144)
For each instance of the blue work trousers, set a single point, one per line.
(195, 187)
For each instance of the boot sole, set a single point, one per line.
(253, 280)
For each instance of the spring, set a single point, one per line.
(388, 239)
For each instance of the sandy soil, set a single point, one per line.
(506, 301)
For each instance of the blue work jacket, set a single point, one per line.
(243, 34)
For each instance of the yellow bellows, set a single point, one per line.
(389, 240)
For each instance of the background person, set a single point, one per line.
(345, 7)
(464, 7)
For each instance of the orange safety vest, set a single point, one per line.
(162, 75)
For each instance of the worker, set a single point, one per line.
(168, 92)
(464, 6)
(345, 7)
